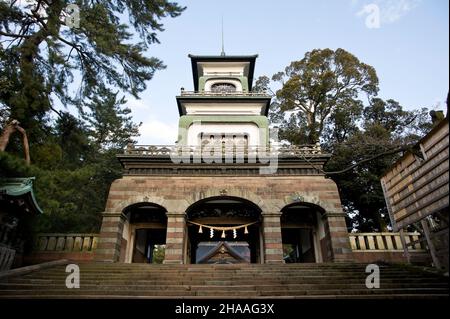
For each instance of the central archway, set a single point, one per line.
(208, 242)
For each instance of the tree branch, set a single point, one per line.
(390, 152)
(13, 35)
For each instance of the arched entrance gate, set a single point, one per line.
(221, 229)
(144, 233)
(302, 229)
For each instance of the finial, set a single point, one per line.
(223, 47)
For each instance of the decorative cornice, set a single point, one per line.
(175, 214)
(114, 214)
(333, 214)
(271, 214)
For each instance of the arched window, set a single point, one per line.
(223, 87)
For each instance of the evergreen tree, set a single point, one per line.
(46, 45)
(321, 100)
(51, 63)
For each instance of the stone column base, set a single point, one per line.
(109, 244)
(273, 246)
(175, 238)
(339, 242)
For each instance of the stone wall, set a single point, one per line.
(421, 258)
(38, 257)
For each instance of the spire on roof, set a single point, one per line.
(223, 46)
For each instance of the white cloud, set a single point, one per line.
(155, 132)
(152, 131)
(393, 10)
(390, 10)
(135, 104)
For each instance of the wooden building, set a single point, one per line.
(18, 207)
(416, 190)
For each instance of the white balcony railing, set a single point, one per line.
(224, 93)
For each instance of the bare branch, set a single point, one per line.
(12, 35)
(390, 152)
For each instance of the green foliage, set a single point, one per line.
(108, 123)
(383, 126)
(159, 253)
(73, 153)
(320, 100)
(42, 55)
(320, 84)
(72, 200)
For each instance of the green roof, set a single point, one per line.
(16, 187)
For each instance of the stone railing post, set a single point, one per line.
(176, 225)
(110, 240)
(273, 246)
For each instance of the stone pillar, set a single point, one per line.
(176, 226)
(339, 249)
(108, 248)
(273, 246)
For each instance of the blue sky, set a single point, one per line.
(409, 50)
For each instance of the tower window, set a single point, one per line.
(223, 87)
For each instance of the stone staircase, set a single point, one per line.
(327, 280)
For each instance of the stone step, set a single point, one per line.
(211, 273)
(315, 297)
(156, 277)
(309, 286)
(174, 268)
(226, 292)
(228, 281)
(228, 271)
(101, 280)
(208, 276)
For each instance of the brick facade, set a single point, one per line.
(270, 193)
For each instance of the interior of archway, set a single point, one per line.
(144, 234)
(302, 232)
(206, 246)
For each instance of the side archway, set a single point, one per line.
(144, 233)
(302, 232)
(136, 200)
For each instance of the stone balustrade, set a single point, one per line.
(387, 242)
(179, 150)
(366, 247)
(66, 242)
(6, 257)
(358, 241)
